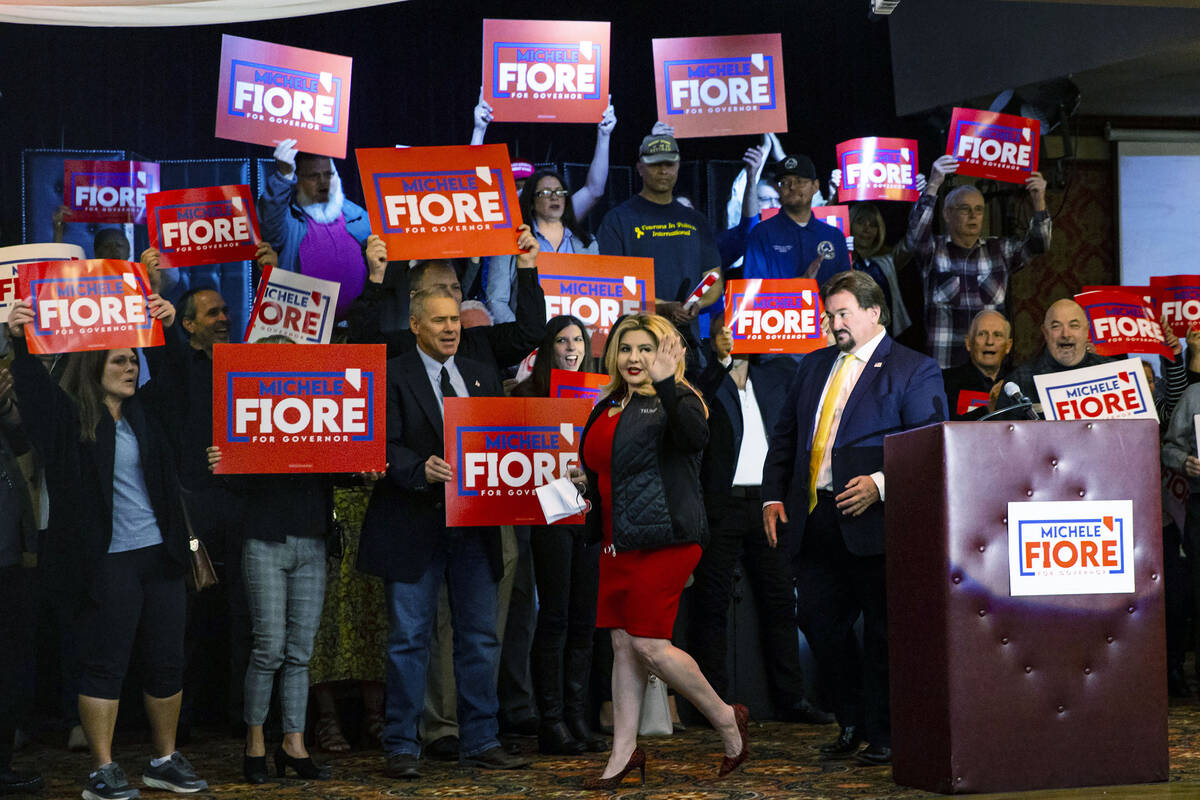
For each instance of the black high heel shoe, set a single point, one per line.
(254, 769)
(637, 760)
(304, 767)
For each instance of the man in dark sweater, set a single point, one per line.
(967, 386)
(1066, 331)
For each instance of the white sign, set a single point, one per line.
(13, 257)
(1116, 390)
(1071, 547)
(293, 305)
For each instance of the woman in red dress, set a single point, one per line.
(641, 455)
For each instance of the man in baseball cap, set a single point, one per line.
(654, 224)
(794, 244)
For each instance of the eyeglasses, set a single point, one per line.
(543, 194)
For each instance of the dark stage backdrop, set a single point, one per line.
(416, 79)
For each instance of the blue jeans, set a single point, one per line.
(461, 560)
(285, 589)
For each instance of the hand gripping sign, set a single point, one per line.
(108, 191)
(1071, 547)
(268, 92)
(596, 289)
(1178, 300)
(576, 384)
(774, 316)
(279, 408)
(721, 85)
(99, 304)
(1122, 323)
(441, 202)
(13, 257)
(212, 225)
(988, 144)
(537, 71)
(878, 168)
(293, 305)
(502, 449)
(1116, 390)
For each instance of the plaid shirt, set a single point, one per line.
(960, 283)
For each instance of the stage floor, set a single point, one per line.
(784, 764)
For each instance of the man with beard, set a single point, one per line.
(793, 243)
(1065, 329)
(315, 229)
(823, 477)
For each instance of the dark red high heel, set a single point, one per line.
(728, 765)
(637, 760)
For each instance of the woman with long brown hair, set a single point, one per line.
(110, 469)
(641, 453)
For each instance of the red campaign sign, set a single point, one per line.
(878, 168)
(108, 191)
(1178, 300)
(284, 408)
(501, 449)
(837, 216)
(1144, 292)
(98, 304)
(774, 316)
(575, 384)
(269, 92)
(988, 144)
(1122, 323)
(596, 289)
(213, 225)
(721, 85)
(441, 202)
(969, 400)
(546, 71)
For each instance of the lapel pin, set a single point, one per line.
(476, 384)
(878, 364)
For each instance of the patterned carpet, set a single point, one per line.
(785, 764)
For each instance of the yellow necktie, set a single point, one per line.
(824, 424)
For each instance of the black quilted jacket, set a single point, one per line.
(656, 471)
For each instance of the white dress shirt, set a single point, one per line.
(860, 360)
(433, 368)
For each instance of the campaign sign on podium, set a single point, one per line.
(1115, 390)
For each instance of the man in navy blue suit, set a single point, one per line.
(824, 473)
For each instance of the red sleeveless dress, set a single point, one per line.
(639, 589)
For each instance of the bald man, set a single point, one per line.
(988, 341)
(1065, 329)
(963, 272)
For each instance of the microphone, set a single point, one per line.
(1015, 394)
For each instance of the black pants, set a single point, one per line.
(16, 655)
(738, 532)
(1179, 595)
(139, 603)
(513, 690)
(834, 587)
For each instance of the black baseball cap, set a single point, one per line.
(798, 165)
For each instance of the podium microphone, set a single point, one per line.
(1014, 393)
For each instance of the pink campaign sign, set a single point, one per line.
(269, 92)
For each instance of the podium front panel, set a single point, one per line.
(993, 692)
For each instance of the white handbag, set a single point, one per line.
(655, 719)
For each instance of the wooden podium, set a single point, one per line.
(992, 692)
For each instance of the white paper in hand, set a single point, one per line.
(560, 499)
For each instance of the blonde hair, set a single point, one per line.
(657, 328)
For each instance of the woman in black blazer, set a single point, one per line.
(110, 469)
